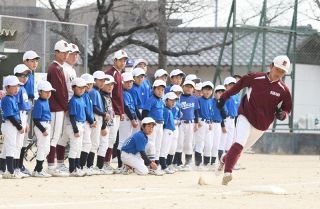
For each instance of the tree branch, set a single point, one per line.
(55, 11)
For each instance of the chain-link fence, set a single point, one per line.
(41, 36)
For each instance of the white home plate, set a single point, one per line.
(267, 189)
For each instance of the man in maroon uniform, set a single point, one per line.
(58, 101)
(267, 97)
(120, 58)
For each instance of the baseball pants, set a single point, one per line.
(56, 127)
(230, 126)
(185, 139)
(103, 143)
(154, 142)
(223, 141)
(216, 136)
(203, 136)
(174, 142)
(43, 142)
(166, 143)
(22, 137)
(114, 130)
(75, 142)
(125, 131)
(86, 140)
(63, 141)
(134, 161)
(95, 134)
(11, 140)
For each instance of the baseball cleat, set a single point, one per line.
(227, 177)
(107, 169)
(63, 168)
(156, 172)
(168, 171)
(25, 171)
(23, 175)
(41, 174)
(8, 175)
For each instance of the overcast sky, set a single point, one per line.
(245, 9)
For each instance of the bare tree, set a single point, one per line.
(108, 28)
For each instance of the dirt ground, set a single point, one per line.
(299, 176)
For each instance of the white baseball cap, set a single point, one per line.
(136, 62)
(11, 80)
(229, 80)
(282, 62)
(193, 78)
(170, 95)
(62, 46)
(99, 75)
(80, 82)
(73, 48)
(120, 54)
(160, 72)
(88, 78)
(190, 82)
(30, 55)
(45, 86)
(176, 88)
(20, 68)
(177, 72)
(157, 83)
(109, 79)
(127, 76)
(198, 86)
(219, 87)
(138, 71)
(148, 120)
(207, 83)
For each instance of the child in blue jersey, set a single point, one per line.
(168, 131)
(176, 77)
(11, 128)
(146, 85)
(218, 124)
(22, 72)
(41, 116)
(89, 124)
(232, 106)
(176, 111)
(99, 115)
(189, 125)
(77, 114)
(154, 109)
(137, 92)
(161, 74)
(198, 90)
(133, 151)
(130, 121)
(203, 137)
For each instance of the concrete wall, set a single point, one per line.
(288, 143)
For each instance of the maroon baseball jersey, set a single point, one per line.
(262, 98)
(117, 94)
(59, 98)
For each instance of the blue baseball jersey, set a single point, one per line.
(216, 117)
(136, 93)
(135, 143)
(129, 102)
(155, 107)
(89, 106)
(77, 108)
(189, 104)
(232, 105)
(23, 99)
(176, 110)
(168, 119)
(146, 91)
(41, 110)
(167, 89)
(10, 107)
(96, 99)
(29, 85)
(206, 108)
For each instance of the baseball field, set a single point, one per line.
(266, 181)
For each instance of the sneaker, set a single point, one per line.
(25, 170)
(96, 171)
(63, 167)
(87, 171)
(168, 171)
(58, 173)
(227, 177)
(77, 173)
(126, 170)
(186, 167)
(178, 167)
(156, 172)
(237, 166)
(41, 174)
(23, 175)
(173, 168)
(107, 170)
(119, 170)
(9, 175)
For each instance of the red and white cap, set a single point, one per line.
(120, 54)
(282, 62)
(73, 48)
(62, 46)
(30, 55)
